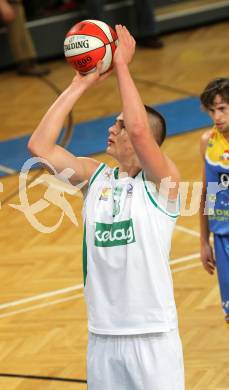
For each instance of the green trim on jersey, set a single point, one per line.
(116, 171)
(84, 255)
(172, 215)
(96, 173)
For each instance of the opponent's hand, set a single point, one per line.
(91, 78)
(126, 46)
(207, 258)
(7, 13)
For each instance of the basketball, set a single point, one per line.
(87, 42)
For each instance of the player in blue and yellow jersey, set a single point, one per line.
(214, 210)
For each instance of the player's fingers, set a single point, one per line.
(211, 270)
(76, 76)
(121, 34)
(118, 29)
(126, 32)
(212, 258)
(99, 67)
(77, 73)
(105, 75)
(127, 37)
(209, 267)
(207, 262)
(128, 41)
(213, 263)
(210, 264)
(131, 41)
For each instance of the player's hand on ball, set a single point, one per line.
(91, 78)
(126, 46)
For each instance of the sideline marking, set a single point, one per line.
(80, 286)
(5, 169)
(187, 230)
(41, 306)
(187, 267)
(45, 378)
(185, 258)
(41, 296)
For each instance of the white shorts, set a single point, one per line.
(139, 362)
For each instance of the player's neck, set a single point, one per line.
(130, 167)
(226, 135)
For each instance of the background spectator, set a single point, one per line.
(23, 51)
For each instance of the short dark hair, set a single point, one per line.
(219, 86)
(158, 131)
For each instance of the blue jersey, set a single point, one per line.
(217, 182)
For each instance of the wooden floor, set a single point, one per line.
(43, 329)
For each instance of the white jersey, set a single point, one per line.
(127, 239)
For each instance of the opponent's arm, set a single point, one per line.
(156, 165)
(43, 141)
(205, 247)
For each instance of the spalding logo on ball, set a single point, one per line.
(88, 42)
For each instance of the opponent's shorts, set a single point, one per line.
(137, 362)
(221, 244)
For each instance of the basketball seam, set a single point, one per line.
(100, 29)
(94, 36)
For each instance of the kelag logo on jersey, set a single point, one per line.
(114, 234)
(224, 180)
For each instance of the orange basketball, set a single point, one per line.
(88, 42)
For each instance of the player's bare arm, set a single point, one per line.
(207, 257)
(43, 142)
(155, 164)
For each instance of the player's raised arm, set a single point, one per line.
(43, 142)
(155, 164)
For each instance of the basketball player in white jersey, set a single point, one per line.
(134, 342)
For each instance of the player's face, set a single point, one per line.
(119, 144)
(219, 113)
